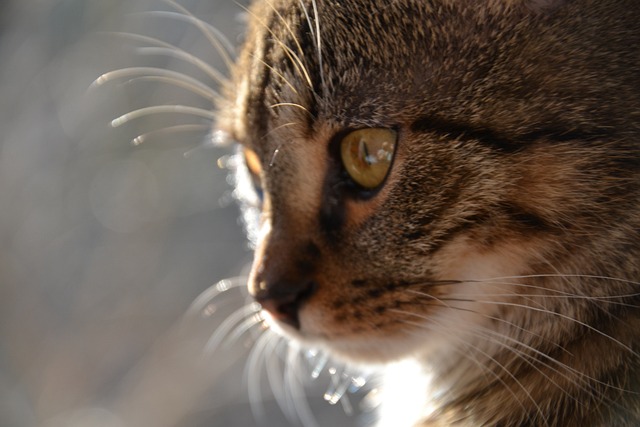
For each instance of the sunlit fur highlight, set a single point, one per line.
(501, 254)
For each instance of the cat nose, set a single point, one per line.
(283, 299)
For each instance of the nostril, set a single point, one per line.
(283, 300)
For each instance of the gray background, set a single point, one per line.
(104, 245)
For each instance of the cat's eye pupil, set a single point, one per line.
(366, 155)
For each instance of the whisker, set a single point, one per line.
(204, 92)
(527, 276)
(252, 374)
(343, 398)
(276, 379)
(229, 323)
(319, 366)
(140, 38)
(203, 304)
(485, 354)
(319, 41)
(296, 41)
(295, 60)
(561, 275)
(288, 27)
(582, 377)
(468, 355)
(185, 56)
(580, 381)
(162, 109)
(295, 389)
(607, 299)
(170, 49)
(315, 34)
(277, 128)
(563, 316)
(256, 320)
(340, 384)
(525, 357)
(560, 293)
(329, 394)
(141, 139)
(290, 104)
(306, 15)
(215, 37)
(487, 316)
(432, 282)
(274, 156)
(532, 349)
(132, 72)
(277, 73)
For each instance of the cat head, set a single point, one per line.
(414, 158)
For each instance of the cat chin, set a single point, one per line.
(370, 351)
(355, 349)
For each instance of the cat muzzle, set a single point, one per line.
(283, 300)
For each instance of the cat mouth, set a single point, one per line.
(347, 343)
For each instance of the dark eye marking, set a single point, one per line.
(526, 220)
(379, 309)
(375, 292)
(358, 283)
(504, 143)
(464, 131)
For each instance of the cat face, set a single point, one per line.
(428, 170)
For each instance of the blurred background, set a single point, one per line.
(105, 244)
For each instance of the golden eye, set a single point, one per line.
(367, 154)
(253, 162)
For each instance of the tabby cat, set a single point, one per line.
(455, 183)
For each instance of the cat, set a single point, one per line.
(457, 184)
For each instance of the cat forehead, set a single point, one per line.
(362, 63)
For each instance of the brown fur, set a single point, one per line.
(503, 249)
